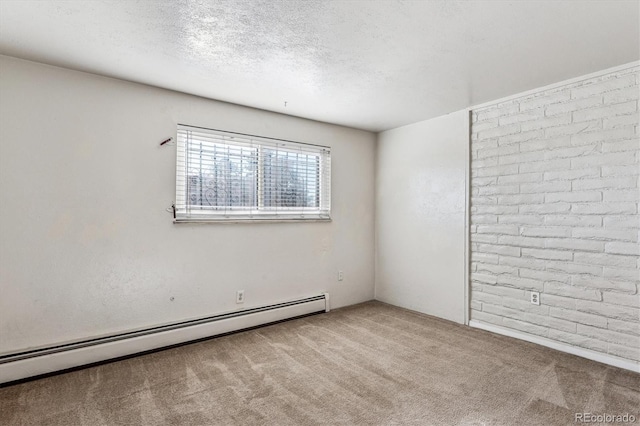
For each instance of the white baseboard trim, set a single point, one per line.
(559, 346)
(26, 366)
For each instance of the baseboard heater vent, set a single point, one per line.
(41, 361)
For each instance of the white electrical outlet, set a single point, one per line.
(535, 297)
(240, 296)
(340, 275)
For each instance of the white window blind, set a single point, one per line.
(225, 176)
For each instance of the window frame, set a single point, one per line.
(185, 212)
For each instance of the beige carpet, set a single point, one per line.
(369, 364)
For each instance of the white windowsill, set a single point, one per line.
(254, 219)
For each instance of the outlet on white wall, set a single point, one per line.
(340, 275)
(240, 296)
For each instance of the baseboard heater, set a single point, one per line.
(42, 361)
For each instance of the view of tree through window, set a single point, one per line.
(290, 179)
(231, 176)
(222, 176)
(226, 176)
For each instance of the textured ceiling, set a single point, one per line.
(372, 65)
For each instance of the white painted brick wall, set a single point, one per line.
(555, 209)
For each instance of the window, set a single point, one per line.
(225, 176)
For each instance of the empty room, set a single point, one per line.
(319, 212)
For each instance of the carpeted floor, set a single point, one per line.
(369, 364)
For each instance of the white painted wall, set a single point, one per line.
(86, 246)
(420, 216)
